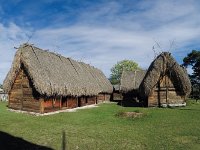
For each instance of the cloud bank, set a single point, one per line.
(108, 32)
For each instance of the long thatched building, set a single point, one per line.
(42, 81)
(166, 83)
(130, 82)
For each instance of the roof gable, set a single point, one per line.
(158, 68)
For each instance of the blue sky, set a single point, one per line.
(100, 32)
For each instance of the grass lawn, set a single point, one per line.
(101, 128)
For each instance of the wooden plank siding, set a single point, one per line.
(72, 102)
(23, 96)
(91, 100)
(103, 97)
(165, 93)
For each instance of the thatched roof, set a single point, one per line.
(162, 65)
(53, 74)
(131, 80)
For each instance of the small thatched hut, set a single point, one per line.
(166, 83)
(130, 82)
(42, 81)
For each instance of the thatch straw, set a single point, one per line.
(131, 80)
(162, 65)
(53, 74)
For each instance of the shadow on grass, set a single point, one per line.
(130, 99)
(186, 109)
(9, 142)
(129, 103)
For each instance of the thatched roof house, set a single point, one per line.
(165, 83)
(131, 80)
(51, 75)
(129, 84)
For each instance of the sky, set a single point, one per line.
(100, 32)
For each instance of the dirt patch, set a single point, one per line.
(130, 114)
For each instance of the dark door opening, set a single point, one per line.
(79, 102)
(64, 102)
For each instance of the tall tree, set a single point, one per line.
(116, 70)
(193, 60)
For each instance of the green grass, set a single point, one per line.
(101, 128)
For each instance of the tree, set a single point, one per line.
(116, 70)
(193, 59)
(1, 86)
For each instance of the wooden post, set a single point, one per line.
(41, 106)
(67, 101)
(76, 101)
(60, 102)
(22, 98)
(158, 92)
(52, 102)
(166, 83)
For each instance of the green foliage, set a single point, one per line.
(193, 59)
(116, 70)
(99, 128)
(1, 86)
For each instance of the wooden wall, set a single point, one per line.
(72, 102)
(107, 97)
(22, 96)
(103, 97)
(165, 93)
(91, 100)
(82, 101)
(51, 104)
(117, 96)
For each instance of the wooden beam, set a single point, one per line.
(41, 106)
(76, 101)
(67, 101)
(22, 98)
(60, 105)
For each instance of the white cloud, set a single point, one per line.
(102, 36)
